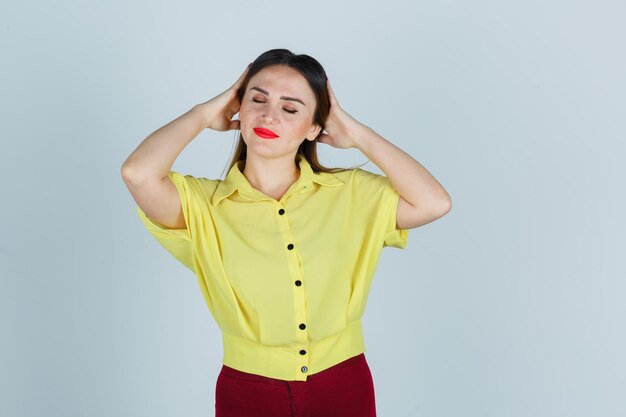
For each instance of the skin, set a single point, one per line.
(270, 165)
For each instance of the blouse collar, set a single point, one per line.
(236, 181)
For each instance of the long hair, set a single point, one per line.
(315, 75)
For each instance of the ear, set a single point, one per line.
(313, 132)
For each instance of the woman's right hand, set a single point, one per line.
(220, 109)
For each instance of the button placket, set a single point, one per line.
(298, 295)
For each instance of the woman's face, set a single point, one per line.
(277, 98)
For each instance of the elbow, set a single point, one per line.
(128, 173)
(125, 171)
(445, 206)
(448, 206)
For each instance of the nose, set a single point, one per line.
(268, 114)
(268, 118)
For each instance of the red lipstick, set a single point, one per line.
(265, 133)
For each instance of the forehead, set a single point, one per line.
(280, 80)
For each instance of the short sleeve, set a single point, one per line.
(380, 200)
(180, 242)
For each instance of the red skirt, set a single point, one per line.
(343, 390)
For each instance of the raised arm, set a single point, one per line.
(145, 171)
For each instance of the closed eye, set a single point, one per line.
(287, 110)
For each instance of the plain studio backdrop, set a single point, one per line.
(511, 305)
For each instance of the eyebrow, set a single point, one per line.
(282, 97)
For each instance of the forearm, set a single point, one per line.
(155, 156)
(412, 181)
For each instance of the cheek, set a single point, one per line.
(246, 116)
(243, 110)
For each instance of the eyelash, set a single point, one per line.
(288, 111)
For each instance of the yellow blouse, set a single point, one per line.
(286, 281)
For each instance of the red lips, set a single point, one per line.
(265, 133)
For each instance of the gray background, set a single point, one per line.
(510, 305)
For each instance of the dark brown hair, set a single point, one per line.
(315, 75)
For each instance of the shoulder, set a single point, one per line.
(208, 185)
(194, 185)
(358, 177)
(350, 175)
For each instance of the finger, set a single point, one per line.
(331, 94)
(241, 77)
(234, 125)
(324, 138)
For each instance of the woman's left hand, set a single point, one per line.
(342, 130)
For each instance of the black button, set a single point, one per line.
(281, 211)
(290, 246)
(298, 282)
(302, 326)
(304, 369)
(303, 352)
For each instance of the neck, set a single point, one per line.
(271, 175)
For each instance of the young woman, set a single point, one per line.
(284, 248)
